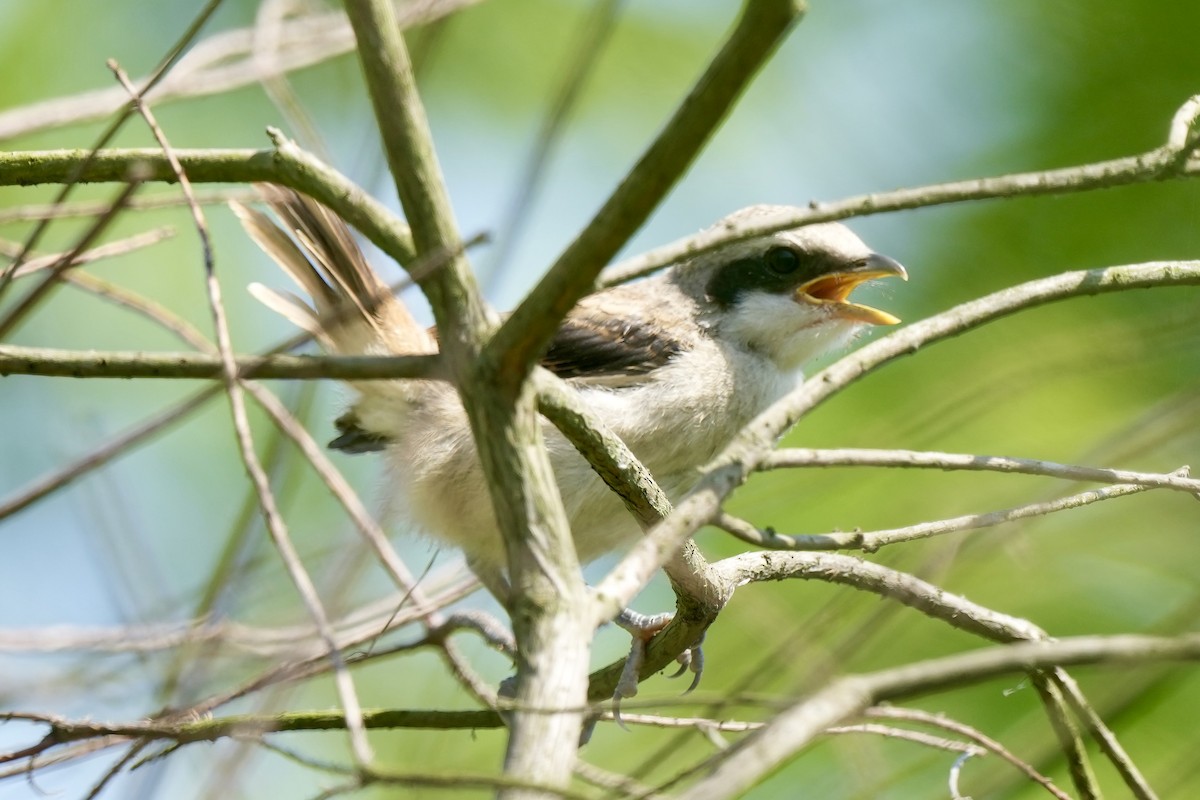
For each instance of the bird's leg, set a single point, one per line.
(493, 579)
(643, 628)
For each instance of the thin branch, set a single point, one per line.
(622, 472)
(117, 248)
(116, 769)
(364, 624)
(123, 442)
(64, 731)
(870, 541)
(610, 457)
(613, 782)
(347, 695)
(910, 590)
(750, 448)
(1175, 159)
(21, 308)
(864, 457)
(318, 663)
(1066, 730)
(50, 362)
(924, 739)
(90, 208)
(218, 64)
(959, 612)
(758, 31)
(974, 734)
(751, 759)
(285, 164)
(160, 71)
(142, 306)
(452, 291)
(1137, 784)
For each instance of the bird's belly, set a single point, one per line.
(674, 426)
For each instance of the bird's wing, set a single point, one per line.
(590, 346)
(605, 347)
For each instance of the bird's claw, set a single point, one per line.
(643, 628)
(691, 660)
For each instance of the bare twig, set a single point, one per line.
(748, 760)
(1055, 687)
(49, 362)
(98, 457)
(870, 541)
(365, 623)
(160, 71)
(758, 31)
(90, 208)
(863, 457)
(752, 446)
(117, 248)
(219, 63)
(974, 734)
(917, 737)
(1160, 164)
(285, 164)
(30, 300)
(360, 747)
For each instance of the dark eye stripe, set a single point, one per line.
(778, 270)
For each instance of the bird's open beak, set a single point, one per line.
(832, 290)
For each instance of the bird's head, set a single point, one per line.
(786, 295)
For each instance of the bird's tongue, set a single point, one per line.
(832, 292)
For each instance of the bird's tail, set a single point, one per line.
(353, 312)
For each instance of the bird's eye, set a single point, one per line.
(782, 260)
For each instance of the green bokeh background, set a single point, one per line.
(866, 95)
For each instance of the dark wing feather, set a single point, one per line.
(596, 346)
(585, 346)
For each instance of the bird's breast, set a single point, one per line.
(686, 412)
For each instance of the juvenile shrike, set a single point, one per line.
(674, 364)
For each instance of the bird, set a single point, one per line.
(675, 364)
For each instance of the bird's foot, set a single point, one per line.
(643, 628)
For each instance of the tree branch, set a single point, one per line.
(1174, 160)
(731, 468)
(50, 362)
(759, 30)
(285, 164)
(548, 604)
(751, 759)
(870, 541)
(865, 457)
(220, 63)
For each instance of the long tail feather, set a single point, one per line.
(288, 306)
(355, 312)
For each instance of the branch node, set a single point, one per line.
(1183, 136)
(277, 137)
